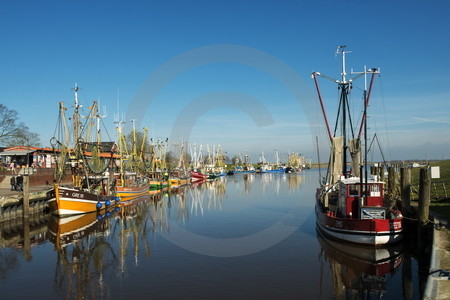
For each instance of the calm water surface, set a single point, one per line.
(243, 236)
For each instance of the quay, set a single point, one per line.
(11, 202)
(438, 282)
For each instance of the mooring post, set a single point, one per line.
(424, 211)
(391, 188)
(424, 196)
(25, 219)
(391, 180)
(26, 196)
(405, 186)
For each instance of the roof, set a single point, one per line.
(16, 152)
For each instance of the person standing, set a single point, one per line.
(19, 183)
(12, 181)
(12, 166)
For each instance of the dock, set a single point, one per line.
(438, 282)
(11, 202)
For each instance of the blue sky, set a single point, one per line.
(163, 61)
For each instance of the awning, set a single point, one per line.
(17, 152)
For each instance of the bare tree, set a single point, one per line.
(13, 133)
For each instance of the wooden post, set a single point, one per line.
(424, 195)
(391, 180)
(25, 219)
(405, 186)
(26, 196)
(424, 210)
(391, 187)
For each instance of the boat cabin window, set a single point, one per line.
(374, 190)
(353, 189)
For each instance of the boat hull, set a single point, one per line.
(245, 172)
(276, 171)
(129, 193)
(66, 201)
(197, 176)
(375, 232)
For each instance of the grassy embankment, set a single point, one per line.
(440, 188)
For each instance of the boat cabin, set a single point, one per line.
(355, 202)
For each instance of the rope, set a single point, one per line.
(435, 224)
(411, 219)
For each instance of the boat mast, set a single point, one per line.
(133, 146)
(76, 165)
(344, 85)
(76, 116)
(366, 94)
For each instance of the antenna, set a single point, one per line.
(76, 89)
(98, 116)
(341, 50)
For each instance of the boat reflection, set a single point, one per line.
(130, 228)
(69, 230)
(209, 195)
(83, 253)
(359, 272)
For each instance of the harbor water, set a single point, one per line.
(243, 236)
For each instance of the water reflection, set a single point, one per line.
(359, 272)
(209, 195)
(243, 236)
(83, 254)
(18, 236)
(275, 181)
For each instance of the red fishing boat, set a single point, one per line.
(197, 176)
(350, 206)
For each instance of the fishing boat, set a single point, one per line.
(277, 167)
(131, 190)
(159, 176)
(350, 206)
(262, 164)
(295, 163)
(87, 159)
(179, 176)
(244, 170)
(198, 176)
(132, 181)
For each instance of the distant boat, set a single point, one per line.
(349, 205)
(198, 176)
(244, 170)
(129, 192)
(280, 170)
(131, 180)
(290, 170)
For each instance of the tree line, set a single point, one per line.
(13, 132)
